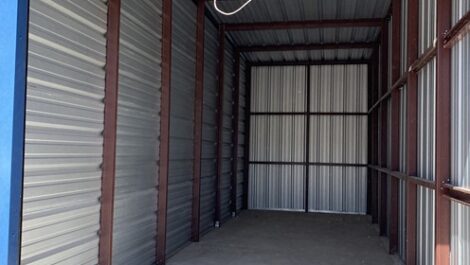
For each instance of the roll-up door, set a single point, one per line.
(180, 179)
(138, 122)
(64, 125)
(227, 134)
(209, 129)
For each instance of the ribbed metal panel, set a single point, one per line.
(427, 24)
(64, 125)
(241, 134)
(404, 37)
(425, 226)
(460, 241)
(276, 187)
(227, 132)
(426, 120)
(209, 129)
(403, 114)
(338, 88)
(402, 219)
(315, 55)
(338, 189)
(277, 138)
(138, 123)
(181, 125)
(460, 214)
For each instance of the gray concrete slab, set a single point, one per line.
(275, 238)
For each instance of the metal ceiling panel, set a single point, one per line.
(138, 129)
(64, 125)
(315, 55)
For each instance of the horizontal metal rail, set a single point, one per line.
(425, 58)
(458, 31)
(310, 62)
(307, 163)
(308, 47)
(310, 113)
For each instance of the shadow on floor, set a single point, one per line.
(288, 238)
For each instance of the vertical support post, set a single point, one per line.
(246, 163)
(383, 131)
(235, 128)
(307, 139)
(443, 134)
(164, 132)
(411, 132)
(198, 114)
(220, 122)
(13, 67)
(395, 130)
(374, 65)
(109, 133)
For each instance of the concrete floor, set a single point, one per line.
(288, 238)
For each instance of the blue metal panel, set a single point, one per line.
(13, 30)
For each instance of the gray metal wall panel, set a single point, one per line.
(403, 115)
(138, 123)
(181, 125)
(337, 189)
(427, 24)
(425, 225)
(64, 125)
(209, 128)
(402, 187)
(460, 214)
(241, 133)
(227, 141)
(276, 187)
(426, 120)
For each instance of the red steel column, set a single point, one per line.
(198, 108)
(443, 134)
(246, 169)
(395, 130)
(109, 133)
(374, 138)
(164, 132)
(411, 132)
(383, 131)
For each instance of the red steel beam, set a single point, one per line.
(443, 134)
(109, 133)
(306, 47)
(458, 31)
(383, 131)
(220, 123)
(395, 130)
(411, 132)
(311, 62)
(162, 176)
(458, 194)
(235, 122)
(198, 108)
(302, 24)
(425, 58)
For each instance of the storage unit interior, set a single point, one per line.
(293, 132)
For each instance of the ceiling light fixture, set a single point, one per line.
(230, 13)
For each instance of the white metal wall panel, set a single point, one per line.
(276, 187)
(209, 129)
(460, 214)
(337, 88)
(181, 125)
(425, 221)
(427, 120)
(337, 189)
(278, 89)
(138, 122)
(227, 134)
(64, 125)
(427, 24)
(241, 134)
(460, 240)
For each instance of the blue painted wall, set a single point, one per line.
(13, 53)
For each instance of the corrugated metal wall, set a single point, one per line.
(138, 129)
(181, 125)
(64, 125)
(241, 134)
(426, 134)
(227, 134)
(278, 140)
(402, 183)
(460, 214)
(209, 129)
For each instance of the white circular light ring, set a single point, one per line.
(230, 13)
